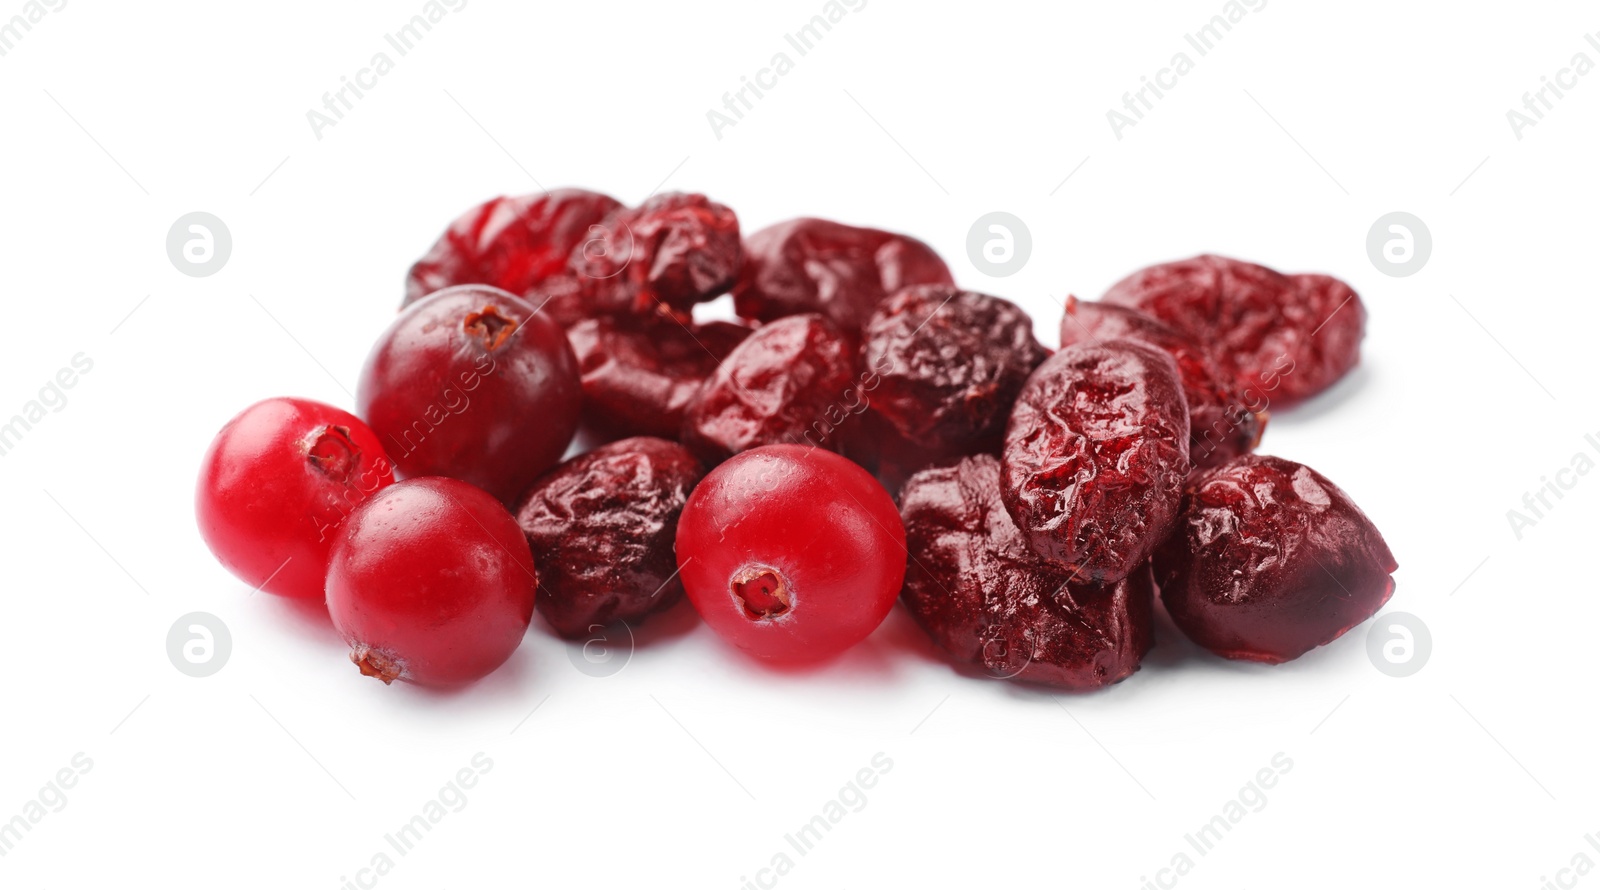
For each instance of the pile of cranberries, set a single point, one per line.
(868, 431)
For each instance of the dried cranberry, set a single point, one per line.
(843, 272)
(667, 254)
(1283, 338)
(792, 381)
(1221, 424)
(602, 527)
(1095, 457)
(638, 379)
(985, 597)
(1271, 560)
(945, 365)
(509, 243)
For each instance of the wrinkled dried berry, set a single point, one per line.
(1095, 457)
(667, 254)
(947, 364)
(1271, 560)
(1222, 424)
(985, 597)
(1282, 338)
(814, 265)
(793, 381)
(602, 526)
(510, 243)
(638, 379)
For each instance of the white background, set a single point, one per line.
(688, 767)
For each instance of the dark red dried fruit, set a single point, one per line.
(1222, 422)
(638, 379)
(977, 588)
(667, 254)
(510, 243)
(815, 265)
(1271, 560)
(602, 527)
(793, 381)
(1281, 338)
(1095, 457)
(947, 364)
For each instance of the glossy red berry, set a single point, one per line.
(791, 553)
(472, 383)
(431, 582)
(276, 484)
(510, 243)
(1271, 560)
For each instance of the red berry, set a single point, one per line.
(791, 553)
(472, 383)
(277, 482)
(638, 380)
(510, 243)
(1271, 560)
(431, 582)
(667, 254)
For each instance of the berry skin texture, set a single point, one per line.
(276, 484)
(948, 364)
(638, 380)
(510, 243)
(1282, 338)
(792, 381)
(471, 383)
(791, 553)
(815, 265)
(988, 600)
(602, 527)
(1095, 457)
(431, 582)
(1221, 426)
(667, 254)
(1271, 560)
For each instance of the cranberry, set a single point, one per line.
(1095, 457)
(1221, 426)
(638, 379)
(1284, 338)
(431, 582)
(510, 243)
(814, 265)
(791, 381)
(947, 364)
(791, 553)
(985, 597)
(1271, 560)
(276, 483)
(472, 383)
(667, 254)
(602, 527)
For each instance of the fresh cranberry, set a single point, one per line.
(987, 599)
(815, 265)
(793, 381)
(1095, 457)
(602, 527)
(638, 380)
(1282, 338)
(277, 482)
(431, 582)
(1222, 422)
(791, 553)
(510, 243)
(1271, 560)
(472, 383)
(667, 254)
